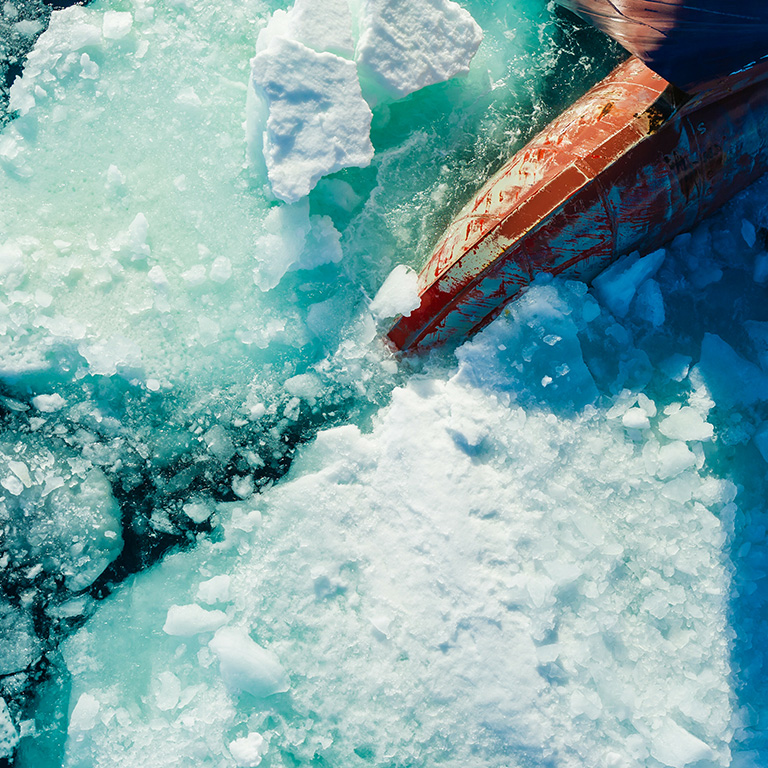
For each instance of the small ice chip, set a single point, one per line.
(188, 620)
(399, 295)
(188, 97)
(686, 424)
(214, 590)
(221, 269)
(635, 418)
(116, 24)
(748, 233)
(49, 403)
(674, 459)
(246, 666)
(248, 750)
(85, 713)
(194, 275)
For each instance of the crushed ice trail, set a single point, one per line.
(547, 550)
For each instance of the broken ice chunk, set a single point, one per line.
(317, 121)
(405, 45)
(246, 666)
(197, 511)
(9, 736)
(635, 418)
(49, 403)
(748, 233)
(399, 295)
(116, 24)
(686, 424)
(730, 378)
(188, 620)
(248, 751)
(166, 688)
(85, 713)
(674, 459)
(675, 747)
(617, 285)
(19, 645)
(323, 25)
(214, 590)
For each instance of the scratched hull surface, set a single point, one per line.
(624, 168)
(688, 42)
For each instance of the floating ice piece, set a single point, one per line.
(167, 689)
(635, 418)
(674, 458)
(748, 233)
(731, 379)
(49, 403)
(676, 747)
(399, 295)
(318, 121)
(405, 45)
(116, 24)
(323, 25)
(248, 750)
(686, 424)
(19, 645)
(84, 715)
(197, 511)
(246, 666)
(188, 620)
(617, 285)
(9, 736)
(215, 590)
(292, 239)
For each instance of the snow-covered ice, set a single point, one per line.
(548, 548)
(405, 45)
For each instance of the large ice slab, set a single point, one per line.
(406, 45)
(318, 121)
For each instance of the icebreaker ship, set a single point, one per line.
(664, 140)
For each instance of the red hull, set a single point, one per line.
(613, 174)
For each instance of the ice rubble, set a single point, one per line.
(307, 115)
(134, 340)
(476, 581)
(136, 348)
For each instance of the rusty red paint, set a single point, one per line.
(596, 184)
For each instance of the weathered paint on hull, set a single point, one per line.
(624, 168)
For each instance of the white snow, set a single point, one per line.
(406, 45)
(248, 750)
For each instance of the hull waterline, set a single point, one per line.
(629, 166)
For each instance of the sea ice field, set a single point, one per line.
(237, 530)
